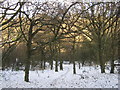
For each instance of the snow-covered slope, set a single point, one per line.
(86, 77)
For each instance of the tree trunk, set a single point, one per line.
(27, 66)
(29, 44)
(74, 68)
(43, 57)
(51, 56)
(102, 68)
(112, 66)
(100, 56)
(83, 63)
(51, 64)
(41, 64)
(61, 65)
(119, 48)
(112, 58)
(27, 70)
(74, 51)
(79, 64)
(44, 64)
(56, 66)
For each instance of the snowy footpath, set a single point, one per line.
(86, 77)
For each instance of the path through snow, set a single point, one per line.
(86, 77)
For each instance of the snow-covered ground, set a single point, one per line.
(86, 77)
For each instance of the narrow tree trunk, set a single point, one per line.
(56, 66)
(51, 55)
(51, 64)
(119, 48)
(102, 68)
(41, 64)
(44, 64)
(43, 57)
(79, 64)
(112, 58)
(3, 65)
(74, 58)
(112, 66)
(119, 55)
(83, 63)
(61, 65)
(74, 68)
